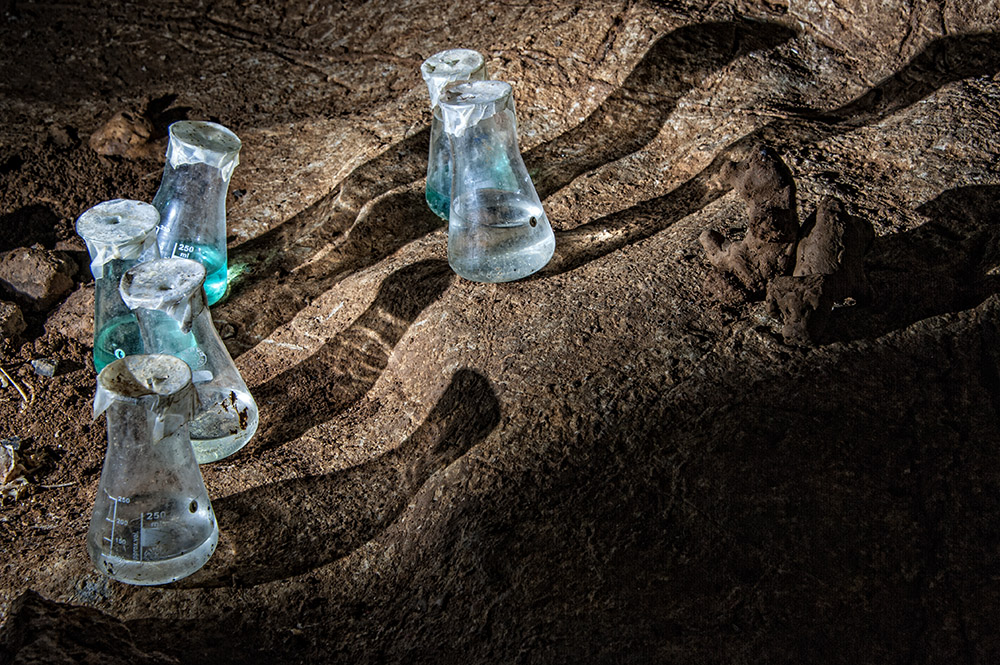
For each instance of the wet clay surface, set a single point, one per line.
(600, 463)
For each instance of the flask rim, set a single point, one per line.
(464, 104)
(203, 142)
(171, 285)
(475, 93)
(154, 375)
(444, 67)
(205, 135)
(160, 382)
(451, 61)
(117, 229)
(117, 222)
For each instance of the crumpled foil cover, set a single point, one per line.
(118, 229)
(202, 142)
(163, 383)
(172, 286)
(459, 64)
(466, 104)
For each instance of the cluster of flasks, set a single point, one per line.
(173, 395)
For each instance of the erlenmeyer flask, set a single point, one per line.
(167, 298)
(497, 229)
(152, 520)
(119, 234)
(201, 157)
(439, 70)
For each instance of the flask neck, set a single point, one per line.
(193, 182)
(485, 155)
(106, 294)
(200, 346)
(191, 149)
(149, 397)
(133, 425)
(111, 270)
(191, 201)
(162, 332)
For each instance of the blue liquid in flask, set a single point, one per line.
(215, 267)
(118, 338)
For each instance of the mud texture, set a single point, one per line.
(600, 463)
(41, 632)
(11, 320)
(772, 232)
(829, 269)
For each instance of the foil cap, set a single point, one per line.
(202, 142)
(458, 64)
(117, 229)
(172, 286)
(162, 382)
(466, 104)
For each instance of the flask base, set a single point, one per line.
(162, 571)
(513, 263)
(226, 423)
(498, 236)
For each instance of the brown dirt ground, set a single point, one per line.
(596, 464)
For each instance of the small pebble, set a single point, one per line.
(11, 320)
(225, 329)
(36, 275)
(45, 366)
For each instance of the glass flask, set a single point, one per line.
(191, 200)
(152, 521)
(497, 229)
(439, 70)
(119, 234)
(167, 298)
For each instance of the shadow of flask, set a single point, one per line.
(290, 527)
(632, 116)
(342, 370)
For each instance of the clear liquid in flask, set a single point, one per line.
(154, 538)
(498, 236)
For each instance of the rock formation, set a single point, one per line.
(768, 249)
(802, 273)
(595, 465)
(829, 268)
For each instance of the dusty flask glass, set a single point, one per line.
(167, 298)
(191, 200)
(152, 521)
(497, 229)
(119, 234)
(439, 70)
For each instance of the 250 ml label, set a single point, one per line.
(183, 251)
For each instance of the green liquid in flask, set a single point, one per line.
(118, 338)
(438, 203)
